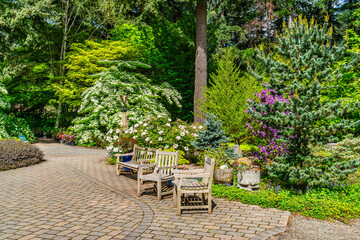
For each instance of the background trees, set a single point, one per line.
(48, 48)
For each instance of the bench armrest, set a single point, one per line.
(158, 169)
(191, 171)
(144, 161)
(151, 165)
(184, 176)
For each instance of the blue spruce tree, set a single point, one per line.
(213, 135)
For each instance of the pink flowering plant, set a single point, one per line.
(272, 145)
(68, 137)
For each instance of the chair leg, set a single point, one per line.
(209, 203)
(174, 196)
(203, 198)
(139, 173)
(139, 186)
(117, 169)
(178, 203)
(159, 190)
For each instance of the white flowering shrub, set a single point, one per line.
(3, 132)
(3, 101)
(155, 132)
(3, 104)
(162, 133)
(101, 104)
(120, 140)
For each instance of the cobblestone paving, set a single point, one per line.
(75, 195)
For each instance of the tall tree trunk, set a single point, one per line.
(64, 22)
(200, 59)
(290, 21)
(57, 122)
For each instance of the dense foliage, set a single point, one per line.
(11, 126)
(338, 202)
(84, 60)
(101, 104)
(15, 154)
(299, 70)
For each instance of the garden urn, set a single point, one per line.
(223, 176)
(248, 179)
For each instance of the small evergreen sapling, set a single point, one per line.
(212, 136)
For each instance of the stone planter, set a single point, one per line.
(248, 179)
(222, 176)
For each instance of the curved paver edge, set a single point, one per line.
(148, 213)
(269, 233)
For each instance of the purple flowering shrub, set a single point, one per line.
(271, 146)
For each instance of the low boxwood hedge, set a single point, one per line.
(15, 154)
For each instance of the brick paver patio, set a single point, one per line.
(75, 195)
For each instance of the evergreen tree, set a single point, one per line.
(299, 70)
(213, 135)
(227, 95)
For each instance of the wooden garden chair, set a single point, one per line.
(140, 156)
(185, 183)
(165, 163)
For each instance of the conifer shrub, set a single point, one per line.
(15, 154)
(229, 89)
(212, 140)
(299, 70)
(212, 136)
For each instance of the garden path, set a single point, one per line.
(75, 195)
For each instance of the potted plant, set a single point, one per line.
(248, 176)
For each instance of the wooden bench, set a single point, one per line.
(140, 156)
(165, 163)
(185, 184)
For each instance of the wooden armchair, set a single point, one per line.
(140, 156)
(185, 183)
(165, 163)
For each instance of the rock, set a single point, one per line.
(237, 150)
(223, 176)
(244, 159)
(331, 145)
(224, 167)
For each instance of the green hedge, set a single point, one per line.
(11, 126)
(340, 203)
